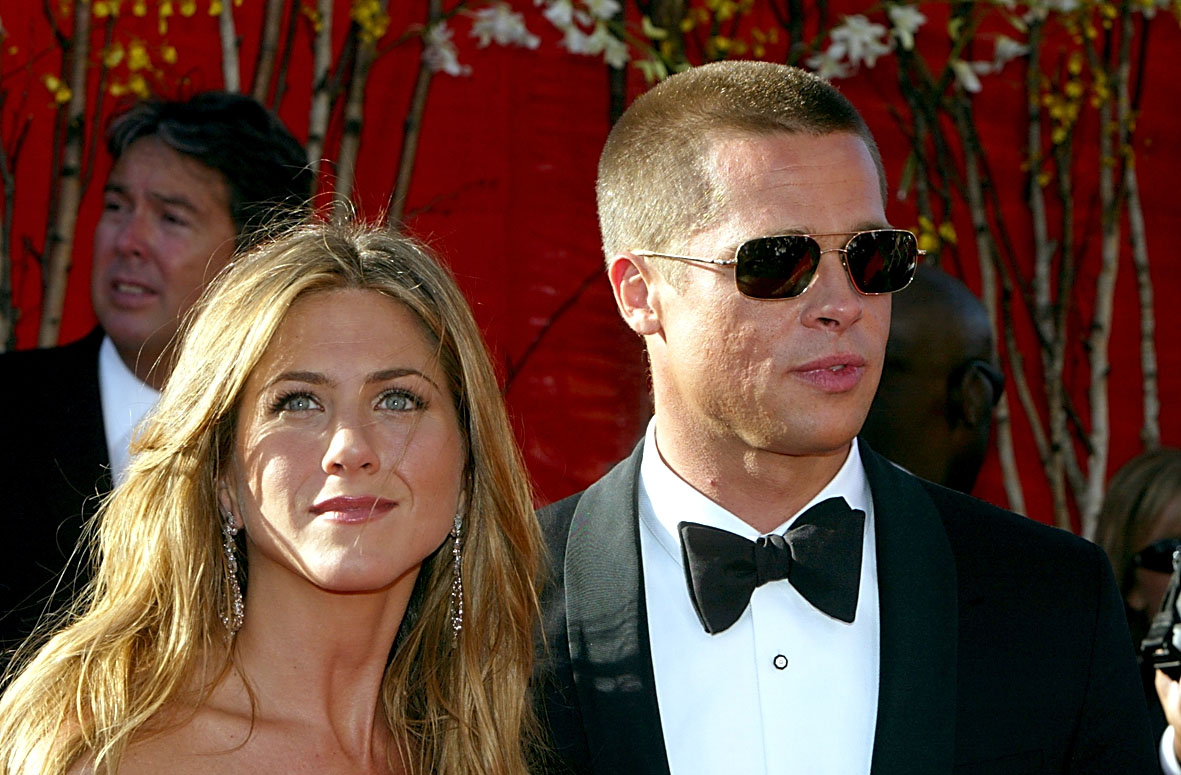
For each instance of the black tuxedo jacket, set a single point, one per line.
(1004, 647)
(54, 468)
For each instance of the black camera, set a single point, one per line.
(1161, 648)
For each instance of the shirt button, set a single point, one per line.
(780, 662)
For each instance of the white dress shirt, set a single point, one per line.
(787, 688)
(125, 401)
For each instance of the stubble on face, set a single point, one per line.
(739, 383)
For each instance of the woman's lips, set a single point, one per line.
(351, 509)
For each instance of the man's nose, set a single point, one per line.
(831, 301)
(133, 234)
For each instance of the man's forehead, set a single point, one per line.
(166, 170)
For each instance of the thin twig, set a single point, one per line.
(61, 241)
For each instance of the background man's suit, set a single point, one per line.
(1003, 643)
(52, 412)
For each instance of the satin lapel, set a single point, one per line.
(608, 627)
(919, 628)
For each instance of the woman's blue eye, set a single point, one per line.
(295, 402)
(400, 401)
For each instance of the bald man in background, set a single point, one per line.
(932, 414)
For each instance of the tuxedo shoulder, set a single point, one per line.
(23, 367)
(990, 541)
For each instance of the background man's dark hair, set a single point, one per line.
(265, 167)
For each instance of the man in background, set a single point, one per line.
(932, 414)
(193, 181)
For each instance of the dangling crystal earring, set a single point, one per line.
(233, 622)
(455, 605)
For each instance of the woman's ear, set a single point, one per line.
(635, 295)
(227, 502)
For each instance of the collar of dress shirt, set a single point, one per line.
(125, 401)
(672, 500)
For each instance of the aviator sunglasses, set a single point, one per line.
(782, 267)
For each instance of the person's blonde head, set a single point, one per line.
(154, 615)
(657, 185)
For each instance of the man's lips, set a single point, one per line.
(130, 292)
(833, 373)
(353, 508)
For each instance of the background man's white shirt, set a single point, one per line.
(125, 401)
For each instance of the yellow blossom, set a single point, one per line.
(928, 242)
(188, 7)
(113, 56)
(140, 8)
(137, 57)
(215, 8)
(100, 10)
(1074, 89)
(168, 54)
(117, 89)
(139, 86)
(1043, 179)
(947, 232)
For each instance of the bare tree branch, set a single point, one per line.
(354, 113)
(413, 124)
(321, 91)
(230, 70)
(61, 241)
(268, 48)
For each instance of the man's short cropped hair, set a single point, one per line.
(657, 186)
(264, 166)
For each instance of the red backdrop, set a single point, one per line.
(503, 188)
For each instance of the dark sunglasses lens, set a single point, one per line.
(882, 261)
(1158, 556)
(776, 267)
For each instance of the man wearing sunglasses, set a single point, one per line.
(753, 591)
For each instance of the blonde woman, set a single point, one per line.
(324, 556)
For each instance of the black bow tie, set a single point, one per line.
(820, 555)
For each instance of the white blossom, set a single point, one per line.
(965, 74)
(560, 13)
(503, 26)
(906, 20)
(1007, 50)
(500, 24)
(1149, 7)
(440, 54)
(828, 64)
(603, 9)
(614, 50)
(578, 42)
(860, 40)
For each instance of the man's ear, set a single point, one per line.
(634, 293)
(972, 398)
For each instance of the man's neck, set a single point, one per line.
(762, 487)
(149, 366)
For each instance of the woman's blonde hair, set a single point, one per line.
(153, 615)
